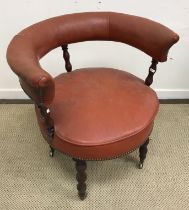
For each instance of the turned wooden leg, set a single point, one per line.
(51, 152)
(142, 153)
(81, 177)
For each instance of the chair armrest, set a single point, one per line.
(24, 61)
(39, 87)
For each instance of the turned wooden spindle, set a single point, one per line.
(81, 177)
(45, 114)
(142, 153)
(152, 70)
(66, 57)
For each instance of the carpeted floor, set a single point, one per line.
(30, 179)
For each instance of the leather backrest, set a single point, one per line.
(146, 35)
(31, 44)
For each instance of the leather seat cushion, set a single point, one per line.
(100, 113)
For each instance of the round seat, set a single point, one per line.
(101, 113)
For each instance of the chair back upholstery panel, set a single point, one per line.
(72, 28)
(146, 35)
(34, 42)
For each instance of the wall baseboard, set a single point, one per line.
(12, 94)
(172, 93)
(162, 94)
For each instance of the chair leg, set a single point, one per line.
(81, 177)
(51, 152)
(142, 153)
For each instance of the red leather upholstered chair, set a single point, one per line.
(98, 114)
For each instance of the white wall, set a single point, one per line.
(172, 77)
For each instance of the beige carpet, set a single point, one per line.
(30, 179)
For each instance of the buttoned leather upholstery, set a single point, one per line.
(98, 113)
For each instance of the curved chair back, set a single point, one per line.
(34, 42)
